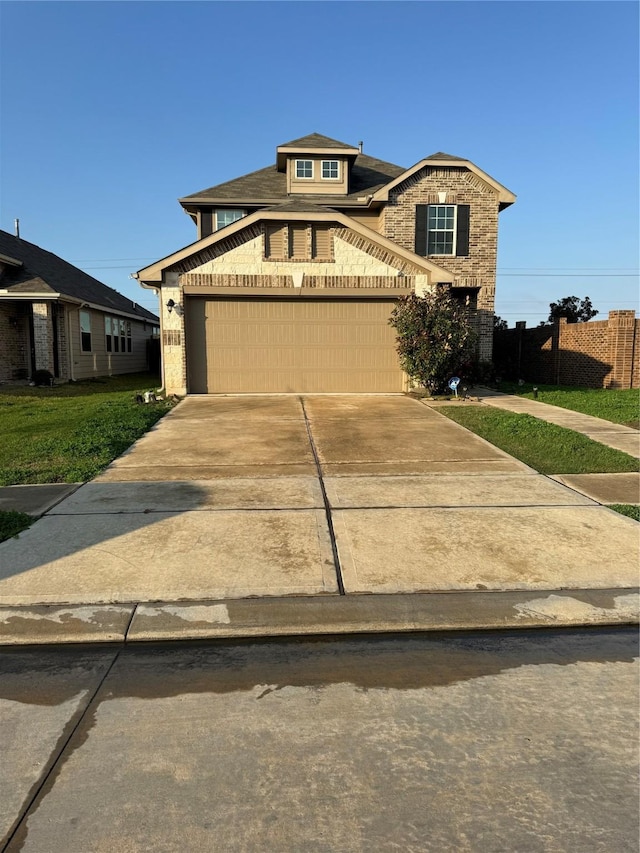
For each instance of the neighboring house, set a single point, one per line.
(297, 266)
(55, 317)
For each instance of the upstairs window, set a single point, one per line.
(331, 170)
(304, 168)
(226, 217)
(441, 229)
(85, 331)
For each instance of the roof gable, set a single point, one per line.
(249, 227)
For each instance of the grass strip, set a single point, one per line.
(12, 523)
(630, 510)
(69, 434)
(620, 406)
(547, 448)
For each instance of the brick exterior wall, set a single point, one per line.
(43, 335)
(14, 342)
(479, 268)
(598, 354)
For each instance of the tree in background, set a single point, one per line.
(571, 307)
(499, 324)
(435, 340)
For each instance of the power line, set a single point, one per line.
(565, 275)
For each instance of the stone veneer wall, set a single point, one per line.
(479, 268)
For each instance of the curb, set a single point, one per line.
(317, 616)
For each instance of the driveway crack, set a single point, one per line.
(325, 499)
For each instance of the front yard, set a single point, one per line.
(70, 433)
(610, 404)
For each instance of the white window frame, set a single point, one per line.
(119, 332)
(453, 231)
(304, 177)
(217, 227)
(330, 177)
(85, 314)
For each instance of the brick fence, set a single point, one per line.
(599, 354)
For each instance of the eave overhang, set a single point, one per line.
(283, 152)
(153, 275)
(12, 262)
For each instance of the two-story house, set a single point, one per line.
(296, 269)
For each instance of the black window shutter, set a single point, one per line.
(421, 229)
(462, 239)
(206, 223)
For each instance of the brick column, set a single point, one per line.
(43, 335)
(621, 339)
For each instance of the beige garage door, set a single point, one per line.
(290, 345)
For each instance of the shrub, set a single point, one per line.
(435, 340)
(42, 377)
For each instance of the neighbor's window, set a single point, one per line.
(441, 229)
(304, 168)
(117, 334)
(108, 341)
(226, 217)
(85, 331)
(330, 169)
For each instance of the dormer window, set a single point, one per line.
(331, 170)
(304, 169)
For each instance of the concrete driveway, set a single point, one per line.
(231, 498)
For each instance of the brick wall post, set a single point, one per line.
(559, 326)
(43, 335)
(621, 332)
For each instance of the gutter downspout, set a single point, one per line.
(157, 290)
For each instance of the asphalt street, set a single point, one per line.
(487, 742)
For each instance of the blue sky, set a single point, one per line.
(110, 111)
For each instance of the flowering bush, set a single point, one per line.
(435, 340)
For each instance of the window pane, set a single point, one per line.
(226, 217)
(304, 169)
(85, 321)
(329, 168)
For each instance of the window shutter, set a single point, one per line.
(421, 229)
(206, 223)
(321, 241)
(462, 239)
(274, 238)
(298, 240)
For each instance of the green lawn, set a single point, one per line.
(70, 433)
(546, 447)
(618, 406)
(631, 510)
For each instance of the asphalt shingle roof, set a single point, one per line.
(315, 140)
(44, 272)
(367, 176)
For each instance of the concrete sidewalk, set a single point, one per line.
(240, 516)
(618, 436)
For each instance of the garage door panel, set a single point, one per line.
(298, 345)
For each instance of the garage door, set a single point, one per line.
(290, 345)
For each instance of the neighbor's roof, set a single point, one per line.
(43, 272)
